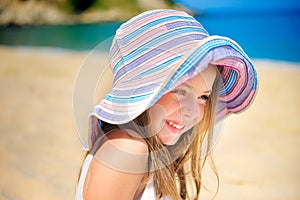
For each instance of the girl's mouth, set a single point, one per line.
(174, 126)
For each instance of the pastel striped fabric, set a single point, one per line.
(157, 50)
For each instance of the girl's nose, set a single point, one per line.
(189, 108)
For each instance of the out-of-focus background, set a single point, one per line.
(43, 44)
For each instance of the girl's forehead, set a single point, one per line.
(203, 81)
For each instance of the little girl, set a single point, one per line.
(171, 83)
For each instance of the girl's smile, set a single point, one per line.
(174, 126)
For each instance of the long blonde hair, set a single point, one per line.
(171, 179)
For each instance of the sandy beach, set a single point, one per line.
(257, 155)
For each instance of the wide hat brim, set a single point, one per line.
(239, 78)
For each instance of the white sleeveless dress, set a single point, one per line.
(148, 194)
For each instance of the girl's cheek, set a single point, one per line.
(170, 105)
(156, 115)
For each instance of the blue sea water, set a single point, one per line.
(261, 36)
(74, 37)
(271, 36)
(241, 6)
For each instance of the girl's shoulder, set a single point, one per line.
(126, 140)
(121, 150)
(119, 164)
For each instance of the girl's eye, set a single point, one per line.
(204, 98)
(180, 92)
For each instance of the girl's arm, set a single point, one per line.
(117, 172)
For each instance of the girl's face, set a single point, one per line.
(181, 109)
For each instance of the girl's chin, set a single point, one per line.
(169, 140)
(169, 137)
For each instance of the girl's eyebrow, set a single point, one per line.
(190, 87)
(208, 91)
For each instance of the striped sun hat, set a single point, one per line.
(157, 50)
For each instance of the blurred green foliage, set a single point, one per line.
(81, 5)
(130, 5)
(22, 12)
